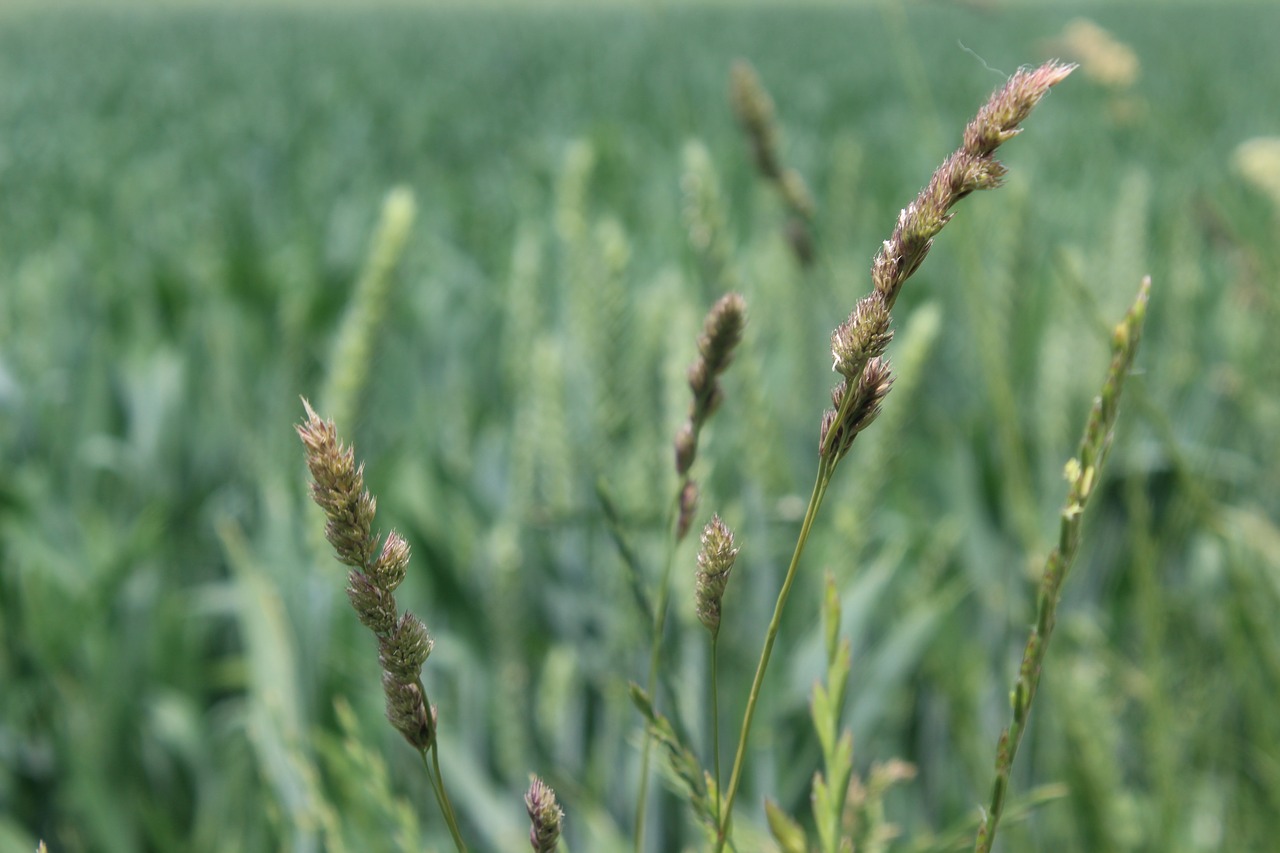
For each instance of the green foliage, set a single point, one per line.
(829, 788)
(679, 763)
(187, 201)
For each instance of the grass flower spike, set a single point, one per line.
(715, 564)
(858, 344)
(376, 572)
(972, 167)
(754, 110)
(403, 644)
(721, 334)
(545, 816)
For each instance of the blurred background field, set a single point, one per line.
(187, 198)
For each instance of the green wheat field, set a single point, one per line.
(188, 200)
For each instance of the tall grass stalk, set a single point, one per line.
(721, 333)
(1083, 474)
(859, 343)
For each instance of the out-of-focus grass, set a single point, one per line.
(185, 203)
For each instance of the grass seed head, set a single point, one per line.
(407, 711)
(545, 816)
(338, 488)
(754, 110)
(715, 564)
(721, 333)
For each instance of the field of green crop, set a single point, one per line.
(187, 201)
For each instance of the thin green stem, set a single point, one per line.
(735, 778)
(442, 795)
(642, 799)
(655, 659)
(715, 723)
